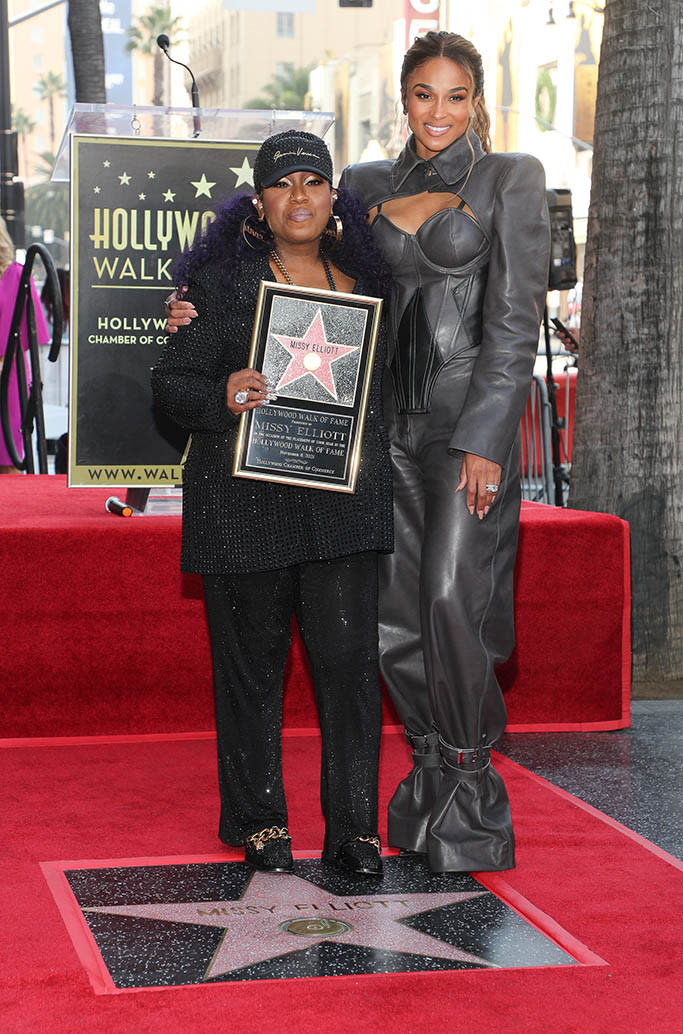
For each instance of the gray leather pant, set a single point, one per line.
(446, 619)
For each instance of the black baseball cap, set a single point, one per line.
(291, 151)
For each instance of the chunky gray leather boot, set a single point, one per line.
(411, 805)
(470, 828)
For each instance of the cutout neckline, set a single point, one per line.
(460, 207)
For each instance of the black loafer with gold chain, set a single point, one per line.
(269, 850)
(359, 854)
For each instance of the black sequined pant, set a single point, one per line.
(335, 603)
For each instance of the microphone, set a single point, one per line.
(163, 42)
(114, 505)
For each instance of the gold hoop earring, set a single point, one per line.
(255, 237)
(333, 232)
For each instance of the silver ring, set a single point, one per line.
(492, 488)
(241, 397)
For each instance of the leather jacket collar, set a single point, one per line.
(450, 165)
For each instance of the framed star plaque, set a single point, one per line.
(317, 349)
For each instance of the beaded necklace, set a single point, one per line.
(285, 272)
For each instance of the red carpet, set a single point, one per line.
(609, 889)
(100, 611)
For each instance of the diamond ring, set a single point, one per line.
(489, 488)
(241, 397)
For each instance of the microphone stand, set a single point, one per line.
(559, 475)
(163, 43)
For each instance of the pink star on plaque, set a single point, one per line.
(313, 354)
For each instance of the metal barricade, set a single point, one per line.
(30, 396)
(536, 462)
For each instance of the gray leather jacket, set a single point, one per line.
(465, 288)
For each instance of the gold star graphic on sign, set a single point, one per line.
(151, 175)
(124, 179)
(142, 197)
(169, 196)
(243, 173)
(203, 186)
(106, 163)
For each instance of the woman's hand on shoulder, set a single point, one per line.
(254, 388)
(179, 313)
(481, 477)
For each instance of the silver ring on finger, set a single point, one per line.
(493, 488)
(241, 397)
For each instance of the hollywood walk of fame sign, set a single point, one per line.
(136, 203)
(173, 924)
(317, 349)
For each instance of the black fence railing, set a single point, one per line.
(30, 396)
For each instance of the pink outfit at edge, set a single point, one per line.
(9, 282)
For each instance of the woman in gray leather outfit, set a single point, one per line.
(465, 233)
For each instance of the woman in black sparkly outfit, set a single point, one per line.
(267, 551)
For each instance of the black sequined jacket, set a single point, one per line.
(238, 525)
(469, 286)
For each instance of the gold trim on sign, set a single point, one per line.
(73, 310)
(126, 475)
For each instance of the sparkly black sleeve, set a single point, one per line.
(189, 381)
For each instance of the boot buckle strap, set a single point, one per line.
(470, 757)
(427, 743)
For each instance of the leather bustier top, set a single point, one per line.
(440, 269)
(469, 285)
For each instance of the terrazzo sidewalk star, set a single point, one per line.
(136, 924)
(277, 910)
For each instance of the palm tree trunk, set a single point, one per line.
(87, 48)
(158, 97)
(628, 437)
(51, 111)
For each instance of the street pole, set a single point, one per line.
(11, 189)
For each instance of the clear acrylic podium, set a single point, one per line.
(245, 125)
(197, 125)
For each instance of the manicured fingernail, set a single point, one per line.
(471, 509)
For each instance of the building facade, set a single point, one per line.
(235, 53)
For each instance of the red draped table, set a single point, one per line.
(102, 634)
